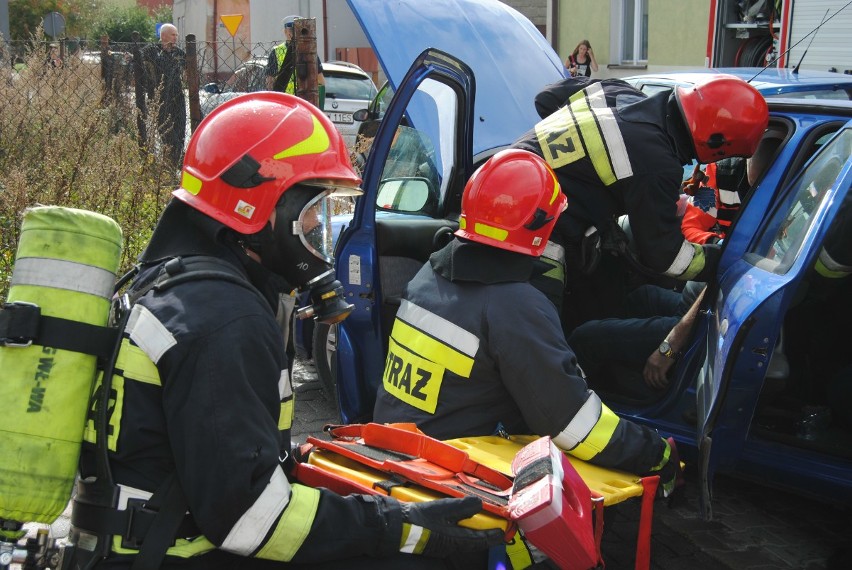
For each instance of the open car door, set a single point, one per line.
(745, 312)
(430, 138)
(413, 177)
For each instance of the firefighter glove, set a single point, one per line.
(671, 475)
(431, 528)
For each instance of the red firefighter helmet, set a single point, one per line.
(725, 116)
(512, 202)
(247, 152)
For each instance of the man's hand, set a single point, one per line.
(656, 369)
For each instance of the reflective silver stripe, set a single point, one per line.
(285, 388)
(149, 333)
(554, 251)
(611, 133)
(247, 535)
(682, 259)
(729, 197)
(438, 327)
(125, 493)
(581, 425)
(62, 274)
(414, 534)
(831, 264)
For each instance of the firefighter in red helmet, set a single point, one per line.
(617, 151)
(477, 350)
(189, 465)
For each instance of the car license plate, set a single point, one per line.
(340, 118)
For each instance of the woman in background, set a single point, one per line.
(582, 60)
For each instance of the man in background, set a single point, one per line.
(165, 64)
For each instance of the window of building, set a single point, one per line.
(634, 31)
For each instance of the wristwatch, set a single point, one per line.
(666, 350)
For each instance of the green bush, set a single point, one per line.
(62, 142)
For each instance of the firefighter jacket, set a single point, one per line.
(202, 389)
(617, 152)
(476, 350)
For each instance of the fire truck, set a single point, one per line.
(780, 33)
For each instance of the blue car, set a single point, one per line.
(745, 397)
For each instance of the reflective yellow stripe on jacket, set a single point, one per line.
(590, 430)
(422, 347)
(828, 267)
(263, 531)
(585, 127)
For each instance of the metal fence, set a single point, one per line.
(69, 75)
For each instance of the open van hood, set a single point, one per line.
(485, 34)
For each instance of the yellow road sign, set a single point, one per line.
(232, 22)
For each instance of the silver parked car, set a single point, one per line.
(348, 88)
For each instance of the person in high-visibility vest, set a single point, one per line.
(281, 65)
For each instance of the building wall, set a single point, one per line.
(677, 34)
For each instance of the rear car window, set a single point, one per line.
(348, 86)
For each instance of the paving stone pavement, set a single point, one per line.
(754, 527)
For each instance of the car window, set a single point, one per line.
(653, 88)
(416, 157)
(348, 86)
(781, 243)
(835, 94)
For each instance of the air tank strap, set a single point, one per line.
(22, 324)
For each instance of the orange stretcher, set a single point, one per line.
(400, 461)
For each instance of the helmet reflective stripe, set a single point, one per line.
(489, 231)
(589, 431)
(190, 183)
(63, 274)
(318, 142)
(439, 327)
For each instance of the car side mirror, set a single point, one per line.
(412, 195)
(212, 88)
(361, 115)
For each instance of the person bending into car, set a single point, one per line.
(477, 350)
(198, 434)
(632, 356)
(616, 152)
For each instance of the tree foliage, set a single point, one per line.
(86, 19)
(119, 23)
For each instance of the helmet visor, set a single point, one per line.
(314, 226)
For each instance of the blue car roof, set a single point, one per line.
(510, 58)
(770, 81)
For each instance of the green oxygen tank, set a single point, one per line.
(66, 264)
